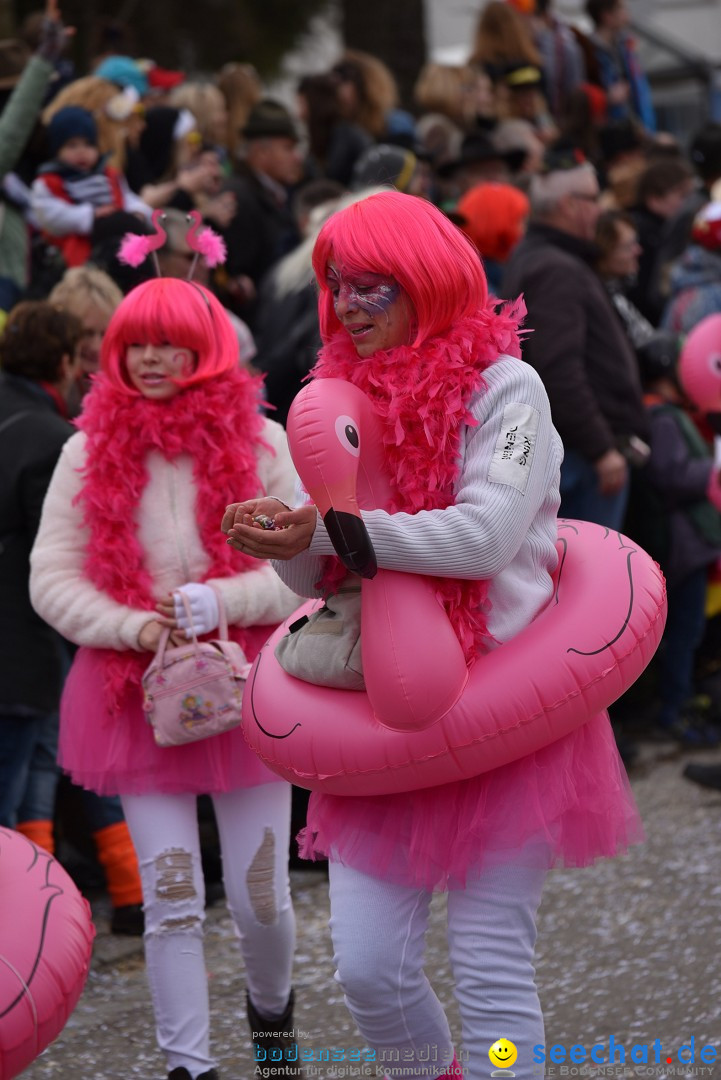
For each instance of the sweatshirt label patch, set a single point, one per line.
(515, 446)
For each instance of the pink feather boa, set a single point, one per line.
(218, 423)
(422, 395)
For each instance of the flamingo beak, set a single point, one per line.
(351, 541)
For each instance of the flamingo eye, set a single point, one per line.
(715, 363)
(348, 435)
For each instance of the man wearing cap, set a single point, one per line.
(263, 228)
(479, 161)
(577, 343)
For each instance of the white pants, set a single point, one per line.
(254, 829)
(378, 934)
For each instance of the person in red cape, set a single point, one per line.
(474, 462)
(169, 431)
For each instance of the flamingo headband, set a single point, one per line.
(134, 249)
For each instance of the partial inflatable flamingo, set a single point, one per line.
(700, 364)
(699, 370)
(425, 719)
(46, 937)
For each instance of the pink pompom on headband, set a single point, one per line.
(205, 244)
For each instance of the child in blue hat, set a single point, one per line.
(78, 199)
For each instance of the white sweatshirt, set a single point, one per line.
(174, 554)
(502, 526)
(62, 218)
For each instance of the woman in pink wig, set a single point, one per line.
(169, 431)
(405, 316)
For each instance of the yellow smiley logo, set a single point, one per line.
(503, 1053)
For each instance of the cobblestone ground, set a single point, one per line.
(629, 948)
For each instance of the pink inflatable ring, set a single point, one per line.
(46, 938)
(425, 719)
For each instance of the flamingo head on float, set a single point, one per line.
(328, 426)
(700, 365)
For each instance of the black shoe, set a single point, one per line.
(128, 919)
(696, 727)
(706, 775)
(273, 1043)
(183, 1074)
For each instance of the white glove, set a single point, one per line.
(203, 603)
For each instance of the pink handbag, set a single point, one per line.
(195, 691)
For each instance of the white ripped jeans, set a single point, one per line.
(254, 829)
(378, 934)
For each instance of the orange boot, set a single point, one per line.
(116, 855)
(40, 832)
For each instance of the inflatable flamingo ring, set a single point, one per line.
(46, 937)
(425, 718)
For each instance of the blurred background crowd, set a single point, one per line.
(543, 145)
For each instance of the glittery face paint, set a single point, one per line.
(370, 293)
(372, 308)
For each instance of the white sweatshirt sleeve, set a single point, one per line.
(500, 492)
(59, 590)
(132, 203)
(57, 216)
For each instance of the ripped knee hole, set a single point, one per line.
(260, 880)
(174, 876)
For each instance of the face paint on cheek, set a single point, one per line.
(183, 362)
(379, 298)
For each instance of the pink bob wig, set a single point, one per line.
(408, 239)
(170, 311)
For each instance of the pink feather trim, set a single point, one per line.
(211, 247)
(135, 248)
(202, 421)
(422, 396)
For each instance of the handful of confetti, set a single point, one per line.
(265, 522)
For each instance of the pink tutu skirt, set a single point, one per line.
(115, 754)
(567, 804)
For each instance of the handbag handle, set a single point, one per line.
(222, 625)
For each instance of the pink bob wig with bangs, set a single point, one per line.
(170, 311)
(408, 239)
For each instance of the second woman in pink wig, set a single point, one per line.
(405, 317)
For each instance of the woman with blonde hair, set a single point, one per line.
(92, 296)
(445, 95)
(207, 104)
(366, 89)
(503, 39)
(241, 87)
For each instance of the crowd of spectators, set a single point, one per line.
(543, 147)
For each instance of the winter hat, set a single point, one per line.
(706, 230)
(493, 216)
(658, 356)
(69, 123)
(384, 164)
(269, 119)
(123, 71)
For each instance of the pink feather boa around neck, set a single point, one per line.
(218, 424)
(422, 396)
